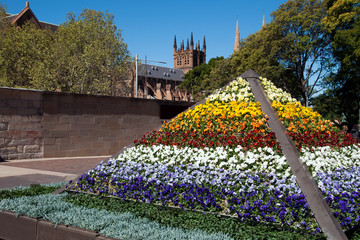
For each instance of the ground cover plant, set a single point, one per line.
(119, 225)
(222, 158)
(130, 219)
(32, 190)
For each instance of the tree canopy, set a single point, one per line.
(302, 43)
(3, 21)
(258, 52)
(292, 51)
(343, 23)
(21, 50)
(195, 80)
(85, 55)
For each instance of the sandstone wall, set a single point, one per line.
(35, 124)
(21, 128)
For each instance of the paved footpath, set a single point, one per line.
(44, 170)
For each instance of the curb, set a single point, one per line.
(23, 227)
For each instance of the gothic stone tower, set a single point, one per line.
(187, 59)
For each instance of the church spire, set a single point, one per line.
(175, 45)
(237, 37)
(263, 23)
(192, 42)
(204, 46)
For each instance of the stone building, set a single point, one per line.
(189, 57)
(156, 82)
(163, 83)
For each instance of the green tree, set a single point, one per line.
(341, 14)
(194, 79)
(85, 55)
(88, 54)
(291, 51)
(258, 52)
(21, 49)
(221, 73)
(343, 23)
(327, 105)
(302, 43)
(3, 21)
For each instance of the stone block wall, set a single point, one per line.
(21, 130)
(80, 125)
(35, 124)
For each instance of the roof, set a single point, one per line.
(165, 73)
(52, 27)
(10, 16)
(27, 15)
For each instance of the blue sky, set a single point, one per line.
(149, 27)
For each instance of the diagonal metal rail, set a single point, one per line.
(327, 222)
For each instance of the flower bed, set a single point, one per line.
(221, 157)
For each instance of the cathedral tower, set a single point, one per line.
(189, 57)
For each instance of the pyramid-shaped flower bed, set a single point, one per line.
(221, 157)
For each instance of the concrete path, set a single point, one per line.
(45, 170)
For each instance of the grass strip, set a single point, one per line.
(32, 190)
(189, 220)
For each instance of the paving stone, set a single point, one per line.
(63, 169)
(27, 180)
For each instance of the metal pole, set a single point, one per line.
(326, 220)
(136, 75)
(145, 85)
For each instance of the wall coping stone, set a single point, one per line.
(37, 229)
